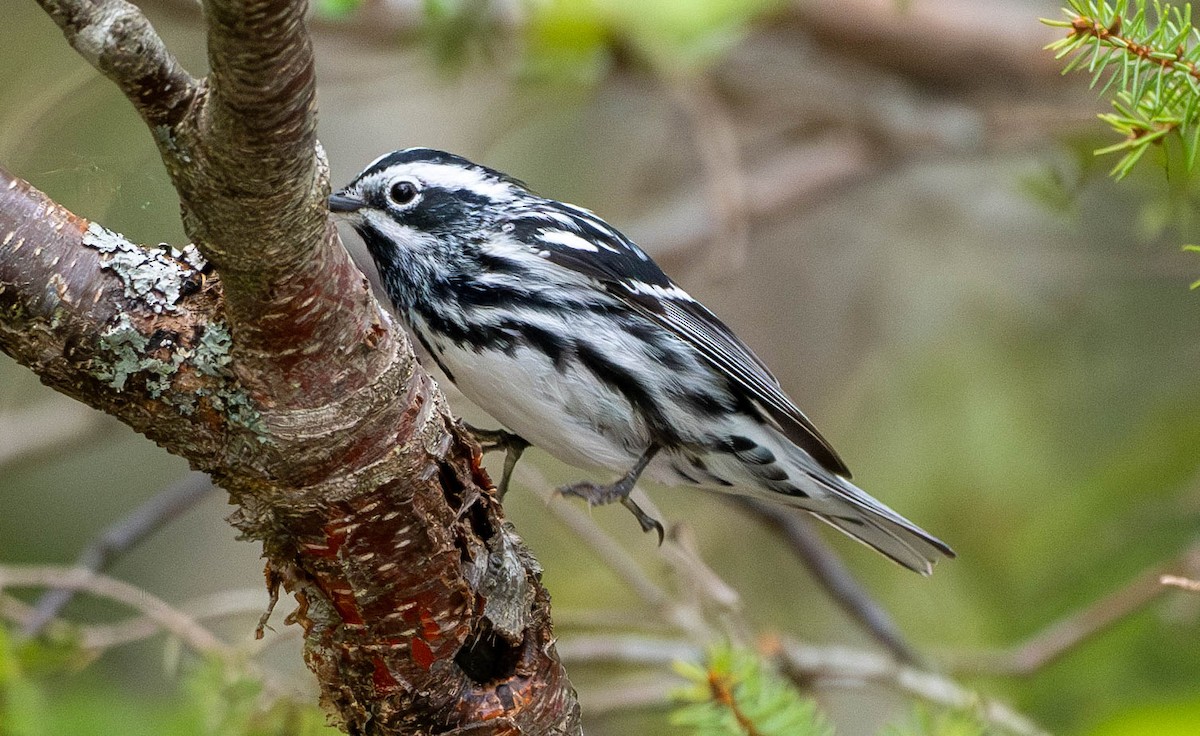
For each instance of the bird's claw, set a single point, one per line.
(497, 439)
(600, 495)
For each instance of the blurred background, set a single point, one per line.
(893, 202)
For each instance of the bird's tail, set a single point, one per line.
(849, 509)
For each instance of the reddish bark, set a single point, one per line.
(284, 379)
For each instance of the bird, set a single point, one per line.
(571, 337)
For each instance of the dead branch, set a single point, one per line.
(167, 618)
(607, 549)
(831, 667)
(787, 181)
(156, 615)
(810, 667)
(726, 191)
(943, 41)
(1175, 581)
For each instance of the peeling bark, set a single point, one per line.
(261, 357)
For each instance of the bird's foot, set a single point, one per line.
(497, 439)
(600, 495)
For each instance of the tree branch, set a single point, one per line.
(1175, 581)
(177, 623)
(833, 575)
(1064, 635)
(116, 38)
(811, 667)
(97, 317)
(837, 667)
(286, 381)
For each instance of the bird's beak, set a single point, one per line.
(343, 203)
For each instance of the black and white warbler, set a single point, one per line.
(570, 336)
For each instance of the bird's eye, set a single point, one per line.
(403, 191)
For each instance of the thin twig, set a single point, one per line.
(122, 536)
(628, 649)
(600, 619)
(607, 549)
(98, 638)
(716, 146)
(705, 583)
(787, 180)
(1176, 581)
(176, 622)
(115, 37)
(631, 693)
(832, 575)
(810, 666)
(836, 667)
(102, 637)
(1064, 635)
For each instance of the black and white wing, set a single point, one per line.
(576, 239)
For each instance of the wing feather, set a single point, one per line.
(629, 274)
(700, 328)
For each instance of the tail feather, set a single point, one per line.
(866, 520)
(917, 553)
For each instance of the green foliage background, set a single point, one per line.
(1018, 377)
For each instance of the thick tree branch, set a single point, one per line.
(114, 325)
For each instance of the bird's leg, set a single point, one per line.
(598, 495)
(497, 439)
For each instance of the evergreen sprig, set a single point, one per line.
(1150, 53)
(736, 693)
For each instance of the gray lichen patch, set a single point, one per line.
(153, 277)
(125, 349)
(211, 356)
(124, 352)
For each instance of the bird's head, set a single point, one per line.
(423, 215)
(418, 192)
